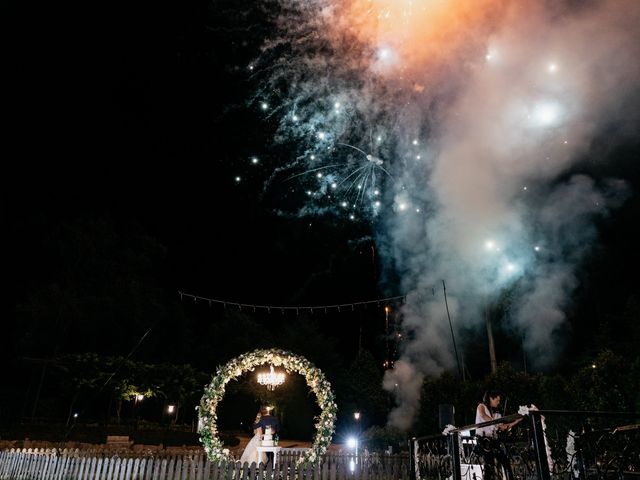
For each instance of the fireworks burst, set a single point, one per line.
(472, 100)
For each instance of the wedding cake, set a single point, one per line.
(267, 439)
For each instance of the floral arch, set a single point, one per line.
(214, 392)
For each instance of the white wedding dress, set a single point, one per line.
(251, 454)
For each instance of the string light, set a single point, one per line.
(298, 308)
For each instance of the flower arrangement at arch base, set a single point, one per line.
(214, 392)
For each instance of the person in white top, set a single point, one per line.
(488, 410)
(489, 447)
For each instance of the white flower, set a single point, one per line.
(448, 429)
(523, 410)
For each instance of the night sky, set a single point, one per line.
(139, 113)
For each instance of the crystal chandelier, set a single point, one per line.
(272, 379)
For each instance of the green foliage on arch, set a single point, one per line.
(214, 392)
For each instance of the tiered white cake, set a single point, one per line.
(267, 439)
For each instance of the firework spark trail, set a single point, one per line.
(482, 108)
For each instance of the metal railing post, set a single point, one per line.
(542, 464)
(454, 450)
(413, 463)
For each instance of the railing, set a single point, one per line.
(573, 446)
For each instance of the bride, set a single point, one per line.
(251, 453)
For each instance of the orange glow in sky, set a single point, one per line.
(409, 34)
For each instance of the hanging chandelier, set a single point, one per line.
(271, 379)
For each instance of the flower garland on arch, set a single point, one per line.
(214, 392)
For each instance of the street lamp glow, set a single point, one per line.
(352, 442)
(75, 415)
(356, 415)
(171, 408)
(139, 397)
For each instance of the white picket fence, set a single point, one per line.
(45, 464)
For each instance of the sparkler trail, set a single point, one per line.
(479, 109)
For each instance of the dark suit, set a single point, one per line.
(268, 421)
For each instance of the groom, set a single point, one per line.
(267, 420)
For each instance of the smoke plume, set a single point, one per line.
(465, 123)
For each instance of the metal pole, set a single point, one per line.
(542, 464)
(455, 349)
(492, 346)
(413, 464)
(454, 447)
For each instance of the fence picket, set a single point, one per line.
(45, 465)
(149, 468)
(142, 472)
(6, 462)
(177, 473)
(231, 471)
(116, 469)
(68, 464)
(86, 466)
(19, 466)
(58, 466)
(154, 468)
(207, 470)
(99, 470)
(199, 469)
(169, 470)
(163, 470)
(50, 467)
(80, 469)
(333, 474)
(62, 468)
(86, 463)
(94, 469)
(34, 464)
(31, 463)
(134, 469)
(74, 465)
(215, 468)
(15, 465)
(125, 472)
(188, 469)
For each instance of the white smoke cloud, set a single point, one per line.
(549, 86)
(479, 121)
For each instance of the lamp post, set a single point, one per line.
(139, 397)
(171, 410)
(356, 417)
